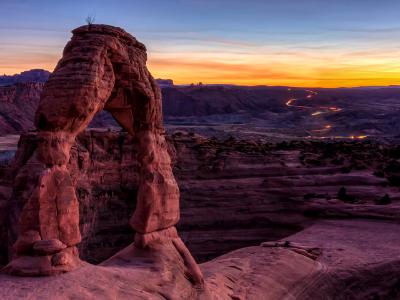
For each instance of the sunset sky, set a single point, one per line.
(286, 42)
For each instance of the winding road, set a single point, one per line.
(317, 111)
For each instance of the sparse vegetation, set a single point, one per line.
(90, 19)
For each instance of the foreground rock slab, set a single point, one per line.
(356, 261)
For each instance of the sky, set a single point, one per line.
(305, 43)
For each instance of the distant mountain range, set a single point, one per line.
(35, 75)
(41, 76)
(224, 110)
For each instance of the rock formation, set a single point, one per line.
(332, 259)
(223, 110)
(287, 186)
(102, 67)
(18, 104)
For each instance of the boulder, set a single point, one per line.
(47, 247)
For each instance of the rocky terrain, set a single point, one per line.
(237, 194)
(329, 259)
(18, 104)
(260, 191)
(253, 172)
(243, 112)
(283, 113)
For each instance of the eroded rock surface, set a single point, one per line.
(347, 267)
(102, 67)
(18, 105)
(287, 187)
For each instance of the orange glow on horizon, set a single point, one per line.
(184, 71)
(297, 69)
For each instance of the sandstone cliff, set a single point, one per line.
(18, 104)
(261, 112)
(259, 191)
(237, 194)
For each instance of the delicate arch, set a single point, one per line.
(102, 67)
(105, 68)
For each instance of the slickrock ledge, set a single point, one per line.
(344, 269)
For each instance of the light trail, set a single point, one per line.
(317, 113)
(320, 111)
(351, 137)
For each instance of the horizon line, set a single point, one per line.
(202, 83)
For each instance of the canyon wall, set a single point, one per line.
(233, 193)
(235, 110)
(18, 104)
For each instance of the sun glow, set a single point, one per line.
(300, 69)
(233, 62)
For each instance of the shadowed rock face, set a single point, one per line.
(18, 104)
(31, 76)
(103, 67)
(233, 193)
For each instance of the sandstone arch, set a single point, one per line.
(102, 67)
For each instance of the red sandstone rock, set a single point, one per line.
(103, 67)
(46, 247)
(60, 259)
(143, 240)
(348, 267)
(26, 241)
(45, 265)
(18, 104)
(158, 196)
(104, 166)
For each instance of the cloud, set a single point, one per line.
(365, 29)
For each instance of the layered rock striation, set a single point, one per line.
(260, 191)
(329, 260)
(102, 67)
